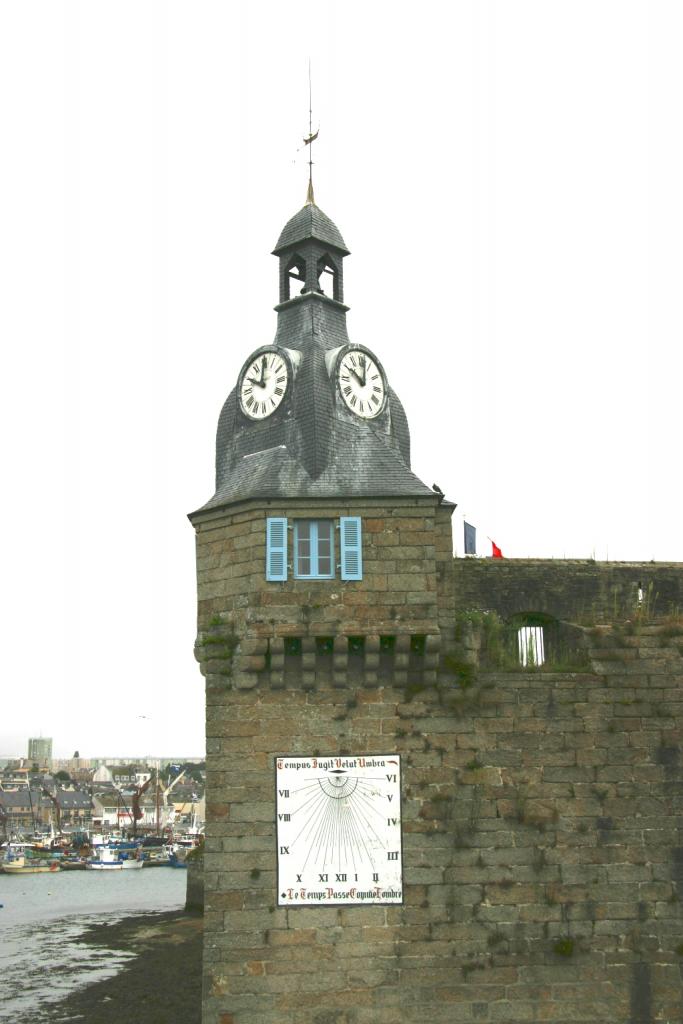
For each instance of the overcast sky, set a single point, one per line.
(508, 178)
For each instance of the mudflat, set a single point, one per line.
(161, 984)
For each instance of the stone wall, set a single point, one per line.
(543, 858)
(194, 893)
(577, 591)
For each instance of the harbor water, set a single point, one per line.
(42, 918)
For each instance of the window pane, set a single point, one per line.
(324, 565)
(303, 567)
(303, 529)
(324, 529)
(302, 540)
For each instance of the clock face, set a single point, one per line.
(361, 383)
(339, 830)
(262, 385)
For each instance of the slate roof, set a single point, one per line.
(310, 222)
(21, 798)
(313, 446)
(72, 800)
(67, 799)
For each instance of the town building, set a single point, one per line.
(40, 751)
(112, 810)
(26, 809)
(14, 775)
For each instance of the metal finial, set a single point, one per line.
(310, 199)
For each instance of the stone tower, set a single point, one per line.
(322, 563)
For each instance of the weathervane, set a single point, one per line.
(308, 142)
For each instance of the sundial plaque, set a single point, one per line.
(338, 830)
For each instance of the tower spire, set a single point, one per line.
(310, 198)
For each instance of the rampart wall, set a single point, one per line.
(542, 813)
(577, 591)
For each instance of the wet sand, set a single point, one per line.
(160, 985)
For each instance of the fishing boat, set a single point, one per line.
(25, 864)
(116, 857)
(157, 851)
(132, 863)
(106, 859)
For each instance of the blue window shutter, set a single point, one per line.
(276, 548)
(351, 548)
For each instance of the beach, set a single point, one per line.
(98, 946)
(159, 984)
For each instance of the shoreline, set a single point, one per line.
(160, 983)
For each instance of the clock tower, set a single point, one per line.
(323, 568)
(313, 414)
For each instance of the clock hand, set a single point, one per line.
(264, 365)
(259, 382)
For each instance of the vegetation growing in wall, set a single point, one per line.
(488, 643)
(215, 647)
(197, 853)
(564, 947)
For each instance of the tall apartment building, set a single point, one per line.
(40, 750)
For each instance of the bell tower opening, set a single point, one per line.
(294, 278)
(328, 278)
(311, 252)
